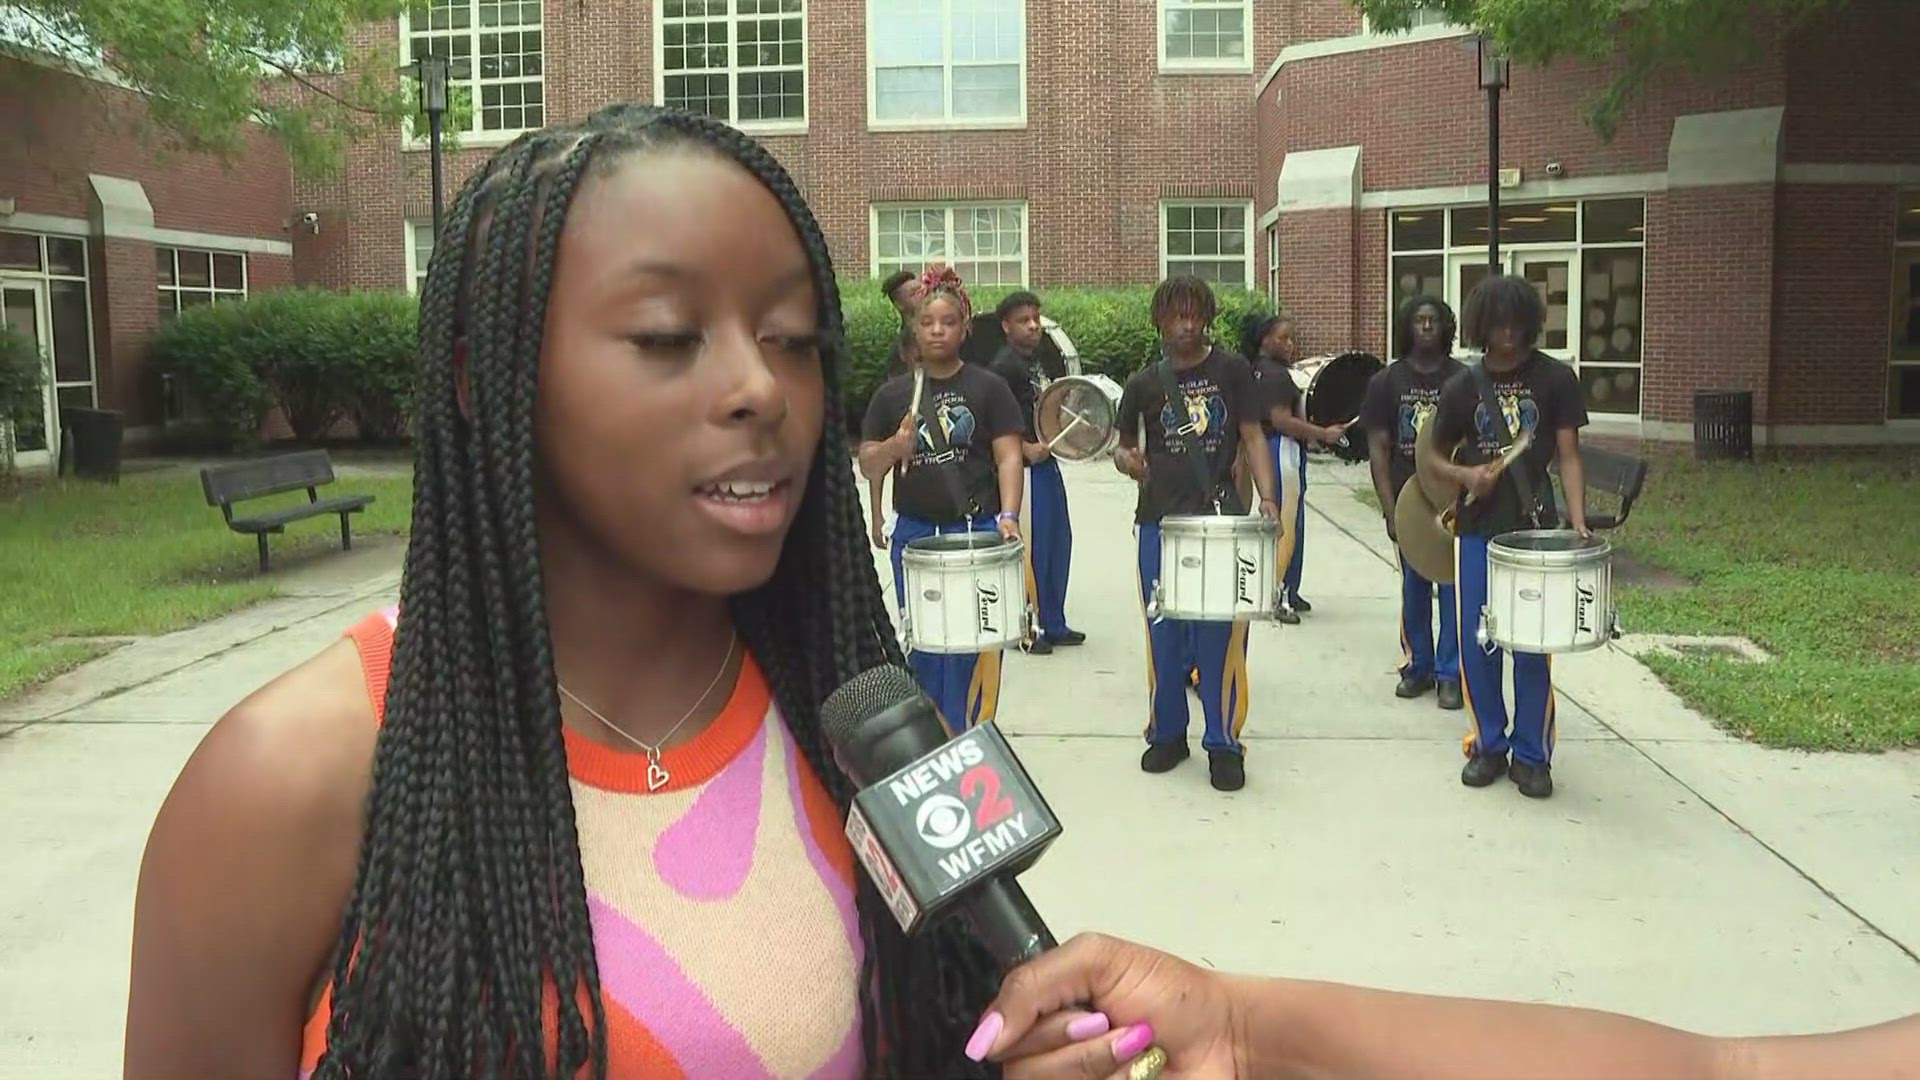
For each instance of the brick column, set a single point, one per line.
(125, 299)
(1319, 200)
(1710, 267)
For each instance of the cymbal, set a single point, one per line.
(1424, 542)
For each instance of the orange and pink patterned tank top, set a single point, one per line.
(722, 904)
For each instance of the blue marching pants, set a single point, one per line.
(964, 687)
(1049, 545)
(1290, 472)
(1175, 646)
(1532, 735)
(1416, 628)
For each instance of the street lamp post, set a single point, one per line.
(1493, 79)
(432, 73)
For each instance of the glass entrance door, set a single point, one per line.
(23, 309)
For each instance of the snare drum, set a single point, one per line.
(966, 593)
(1078, 416)
(1548, 591)
(1216, 568)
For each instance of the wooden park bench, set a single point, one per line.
(1617, 474)
(227, 485)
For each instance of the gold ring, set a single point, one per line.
(1148, 1065)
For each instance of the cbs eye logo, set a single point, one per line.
(943, 821)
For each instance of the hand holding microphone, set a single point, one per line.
(943, 826)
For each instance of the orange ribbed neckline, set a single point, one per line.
(690, 764)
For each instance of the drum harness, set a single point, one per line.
(1483, 381)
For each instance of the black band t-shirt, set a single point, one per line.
(972, 408)
(1217, 396)
(1022, 374)
(1541, 396)
(1277, 390)
(1401, 401)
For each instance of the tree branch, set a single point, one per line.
(297, 77)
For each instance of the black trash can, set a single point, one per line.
(90, 447)
(1723, 425)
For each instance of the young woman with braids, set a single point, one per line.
(959, 468)
(572, 814)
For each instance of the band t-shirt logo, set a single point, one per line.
(1402, 400)
(953, 446)
(1215, 397)
(1541, 397)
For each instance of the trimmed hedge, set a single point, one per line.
(319, 356)
(1111, 328)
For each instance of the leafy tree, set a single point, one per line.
(210, 66)
(1644, 34)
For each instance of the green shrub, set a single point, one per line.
(1111, 328)
(319, 356)
(23, 372)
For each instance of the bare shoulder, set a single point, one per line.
(246, 872)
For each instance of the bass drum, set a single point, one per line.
(1334, 389)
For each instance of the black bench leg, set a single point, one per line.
(262, 537)
(346, 532)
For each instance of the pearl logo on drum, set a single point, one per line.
(987, 599)
(1246, 570)
(1583, 607)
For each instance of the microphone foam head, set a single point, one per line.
(863, 697)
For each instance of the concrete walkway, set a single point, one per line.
(1678, 874)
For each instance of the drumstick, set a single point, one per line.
(1078, 419)
(919, 383)
(1500, 464)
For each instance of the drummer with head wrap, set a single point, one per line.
(1186, 467)
(1535, 396)
(1400, 402)
(1049, 527)
(957, 444)
(1269, 340)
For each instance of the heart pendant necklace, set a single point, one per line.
(657, 775)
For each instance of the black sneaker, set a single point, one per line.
(1449, 695)
(1071, 637)
(1227, 769)
(1288, 615)
(1534, 781)
(1412, 686)
(1039, 646)
(1162, 757)
(1483, 769)
(1300, 605)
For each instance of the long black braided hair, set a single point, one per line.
(468, 915)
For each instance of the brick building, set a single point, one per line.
(1741, 231)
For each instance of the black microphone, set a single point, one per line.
(941, 824)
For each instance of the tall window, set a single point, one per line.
(43, 291)
(987, 244)
(947, 61)
(1585, 258)
(189, 278)
(1903, 372)
(419, 254)
(1204, 34)
(743, 61)
(1273, 261)
(1212, 241)
(501, 42)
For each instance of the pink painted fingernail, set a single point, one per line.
(1132, 1040)
(985, 1034)
(1088, 1026)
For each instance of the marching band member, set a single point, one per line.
(1049, 526)
(1531, 394)
(1400, 402)
(1286, 433)
(1218, 411)
(961, 470)
(898, 289)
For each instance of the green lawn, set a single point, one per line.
(1812, 556)
(148, 555)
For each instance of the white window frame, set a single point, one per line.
(1204, 67)
(1245, 206)
(1423, 18)
(948, 207)
(949, 122)
(733, 19)
(1578, 247)
(474, 134)
(416, 271)
(214, 292)
(46, 277)
(1273, 261)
